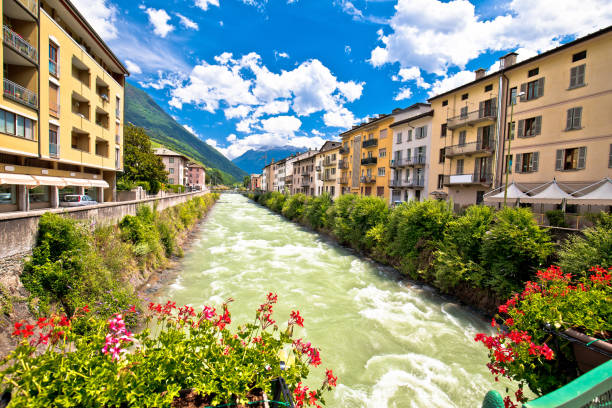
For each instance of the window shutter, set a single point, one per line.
(535, 159)
(538, 126)
(541, 87)
(489, 166)
(481, 106)
(494, 105)
(559, 161)
(610, 158)
(570, 117)
(580, 74)
(477, 168)
(577, 123)
(524, 92)
(521, 127)
(424, 131)
(479, 138)
(573, 75)
(409, 134)
(582, 158)
(519, 163)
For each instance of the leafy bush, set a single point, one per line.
(276, 201)
(55, 365)
(556, 218)
(338, 217)
(513, 249)
(294, 207)
(315, 213)
(578, 253)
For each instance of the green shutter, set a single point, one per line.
(521, 128)
(559, 160)
(481, 109)
(534, 161)
(577, 121)
(479, 138)
(519, 163)
(570, 118)
(540, 87)
(582, 158)
(610, 158)
(524, 92)
(580, 74)
(573, 75)
(538, 125)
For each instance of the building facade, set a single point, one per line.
(279, 175)
(175, 164)
(304, 173)
(267, 182)
(411, 153)
(196, 176)
(550, 112)
(256, 182)
(327, 169)
(61, 112)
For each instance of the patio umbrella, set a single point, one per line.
(514, 193)
(553, 194)
(602, 195)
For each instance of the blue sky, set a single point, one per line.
(244, 74)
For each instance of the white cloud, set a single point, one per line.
(341, 118)
(101, 14)
(347, 49)
(203, 4)
(404, 93)
(231, 138)
(450, 82)
(350, 9)
(187, 23)
(266, 141)
(240, 111)
(159, 19)
(435, 35)
(411, 74)
(132, 67)
(282, 125)
(278, 55)
(191, 130)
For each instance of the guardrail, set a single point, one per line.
(20, 45)
(369, 161)
(369, 143)
(472, 117)
(468, 148)
(20, 94)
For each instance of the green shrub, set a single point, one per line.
(144, 184)
(579, 253)
(556, 218)
(367, 213)
(514, 249)
(275, 201)
(315, 213)
(338, 217)
(294, 207)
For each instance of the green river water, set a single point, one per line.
(391, 343)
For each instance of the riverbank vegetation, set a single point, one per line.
(75, 264)
(194, 359)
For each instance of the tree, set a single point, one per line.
(139, 161)
(246, 181)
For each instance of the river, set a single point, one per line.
(392, 344)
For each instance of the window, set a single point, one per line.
(382, 153)
(382, 134)
(445, 102)
(409, 135)
(171, 160)
(398, 137)
(408, 153)
(440, 180)
(380, 191)
(10, 123)
(464, 97)
(464, 112)
(577, 76)
(489, 88)
(118, 108)
(443, 129)
(398, 156)
(171, 170)
(579, 56)
(574, 118)
(508, 164)
(8, 194)
(29, 129)
(442, 155)
(571, 159)
(530, 127)
(117, 158)
(511, 127)
(54, 109)
(170, 180)
(533, 90)
(421, 132)
(381, 171)
(53, 59)
(527, 162)
(462, 136)
(512, 100)
(39, 194)
(533, 72)
(459, 166)
(20, 126)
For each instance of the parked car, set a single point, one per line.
(77, 201)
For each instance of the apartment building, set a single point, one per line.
(410, 153)
(267, 182)
(304, 173)
(61, 112)
(279, 175)
(175, 164)
(290, 161)
(365, 160)
(256, 182)
(327, 169)
(550, 112)
(196, 176)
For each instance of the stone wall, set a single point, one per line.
(18, 230)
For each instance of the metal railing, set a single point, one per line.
(329, 162)
(469, 148)
(344, 150)
(368, 179)
(15, 41)
(472, 117)
(20, 94)
(369, 160)
(31, 5)
(469, 178)
(344, 180)
(369, 143)
(343, 164)
(328, 177)
(415, 182)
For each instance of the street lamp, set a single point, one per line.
(510, 136)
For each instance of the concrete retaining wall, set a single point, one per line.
(18, 230)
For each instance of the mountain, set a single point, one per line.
(142, 111)
(253, 161)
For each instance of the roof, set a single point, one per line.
(192, 164)
(68, 4)
(527, 61)
(411, 107)
(162, 151)
(364, 125)
(329, 145)
(422, 115)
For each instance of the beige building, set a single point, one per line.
(328, 173)
(304, 173)
(196, 176)
(175, 164)
(61, 112)
(255, 182)
(267, 179)
(544, 118)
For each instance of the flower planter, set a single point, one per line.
(588, 350)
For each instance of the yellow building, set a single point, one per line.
(61, 113)
(365, 154)
(554, 108)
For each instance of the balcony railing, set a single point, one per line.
(31, 5)
(343, 165)
(465, 179)
(16, 42)
(344, 180)
(20, 94)
(368, 179)
(471, 118)
(289, 180)
(344, 150)
(369, 143)
(469, 148)
(397, 183)
(368, 161)
(318, 168)
(329, 177)
(54, 149)
(415, 182)
(329, 162)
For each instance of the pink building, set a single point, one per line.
(196, 176)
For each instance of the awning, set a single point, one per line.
(553, 194)
(99, 183)
(19, 179)
(78, 182)
(50, 181)
(514, 193)
(600, 196)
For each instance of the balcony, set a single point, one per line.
(369, 161)
(467, 149)
(20, 46)
(416, 182)
(344, 150)
(398, 183)
(369, 143)
(329, 162)
(318, 168)
(30, 5)
(20, 94)
(368, 179)
(418, 160)
(289, 180)
(472, 118)
(305, 182)
(329, 177)
(344, 180)
(484, 179)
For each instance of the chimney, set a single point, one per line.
(480, 72)
(508, 60)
